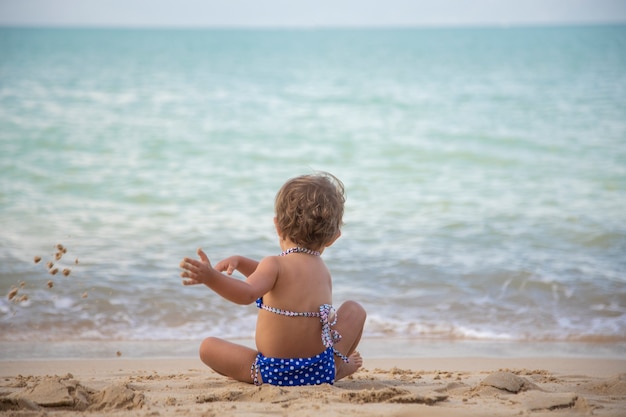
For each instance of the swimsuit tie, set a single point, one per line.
(329, 336)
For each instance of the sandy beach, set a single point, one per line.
(394, 386)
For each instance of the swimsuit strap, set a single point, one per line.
(329, 336)
(298, 249)
(259, 303)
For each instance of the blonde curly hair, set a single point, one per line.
(309, 210)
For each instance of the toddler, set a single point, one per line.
(298, 332)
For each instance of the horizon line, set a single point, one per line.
(440, 25)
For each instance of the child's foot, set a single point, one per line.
(346, 369)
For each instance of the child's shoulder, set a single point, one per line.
(269, 262)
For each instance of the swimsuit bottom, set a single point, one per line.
(319, 369)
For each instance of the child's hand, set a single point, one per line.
(198, 272)
(229, 265)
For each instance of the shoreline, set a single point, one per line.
(460, 386)
(597, 368)
(373, 348)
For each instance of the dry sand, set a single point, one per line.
(391, 387)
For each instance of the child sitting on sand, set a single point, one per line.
(293, 292)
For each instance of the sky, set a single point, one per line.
(309, 13)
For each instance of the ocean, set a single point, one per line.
(485, 171)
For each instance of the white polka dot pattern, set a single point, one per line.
(319, 369)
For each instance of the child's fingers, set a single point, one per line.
(202, 255)
(228, 268)
(220, 266)
(189, 264)
(225, 266)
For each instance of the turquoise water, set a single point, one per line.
(485, 173)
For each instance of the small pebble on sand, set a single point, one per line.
(54, 271)
(50, 284)
(66, 271)
(37, 259)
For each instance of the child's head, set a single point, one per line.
(309, 210)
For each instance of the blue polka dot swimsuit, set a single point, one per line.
(319, 369)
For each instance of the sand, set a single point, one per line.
(391, 387)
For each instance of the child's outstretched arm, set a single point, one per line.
(235, 290)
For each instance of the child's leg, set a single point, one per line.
(351, 319)
(228, 358)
